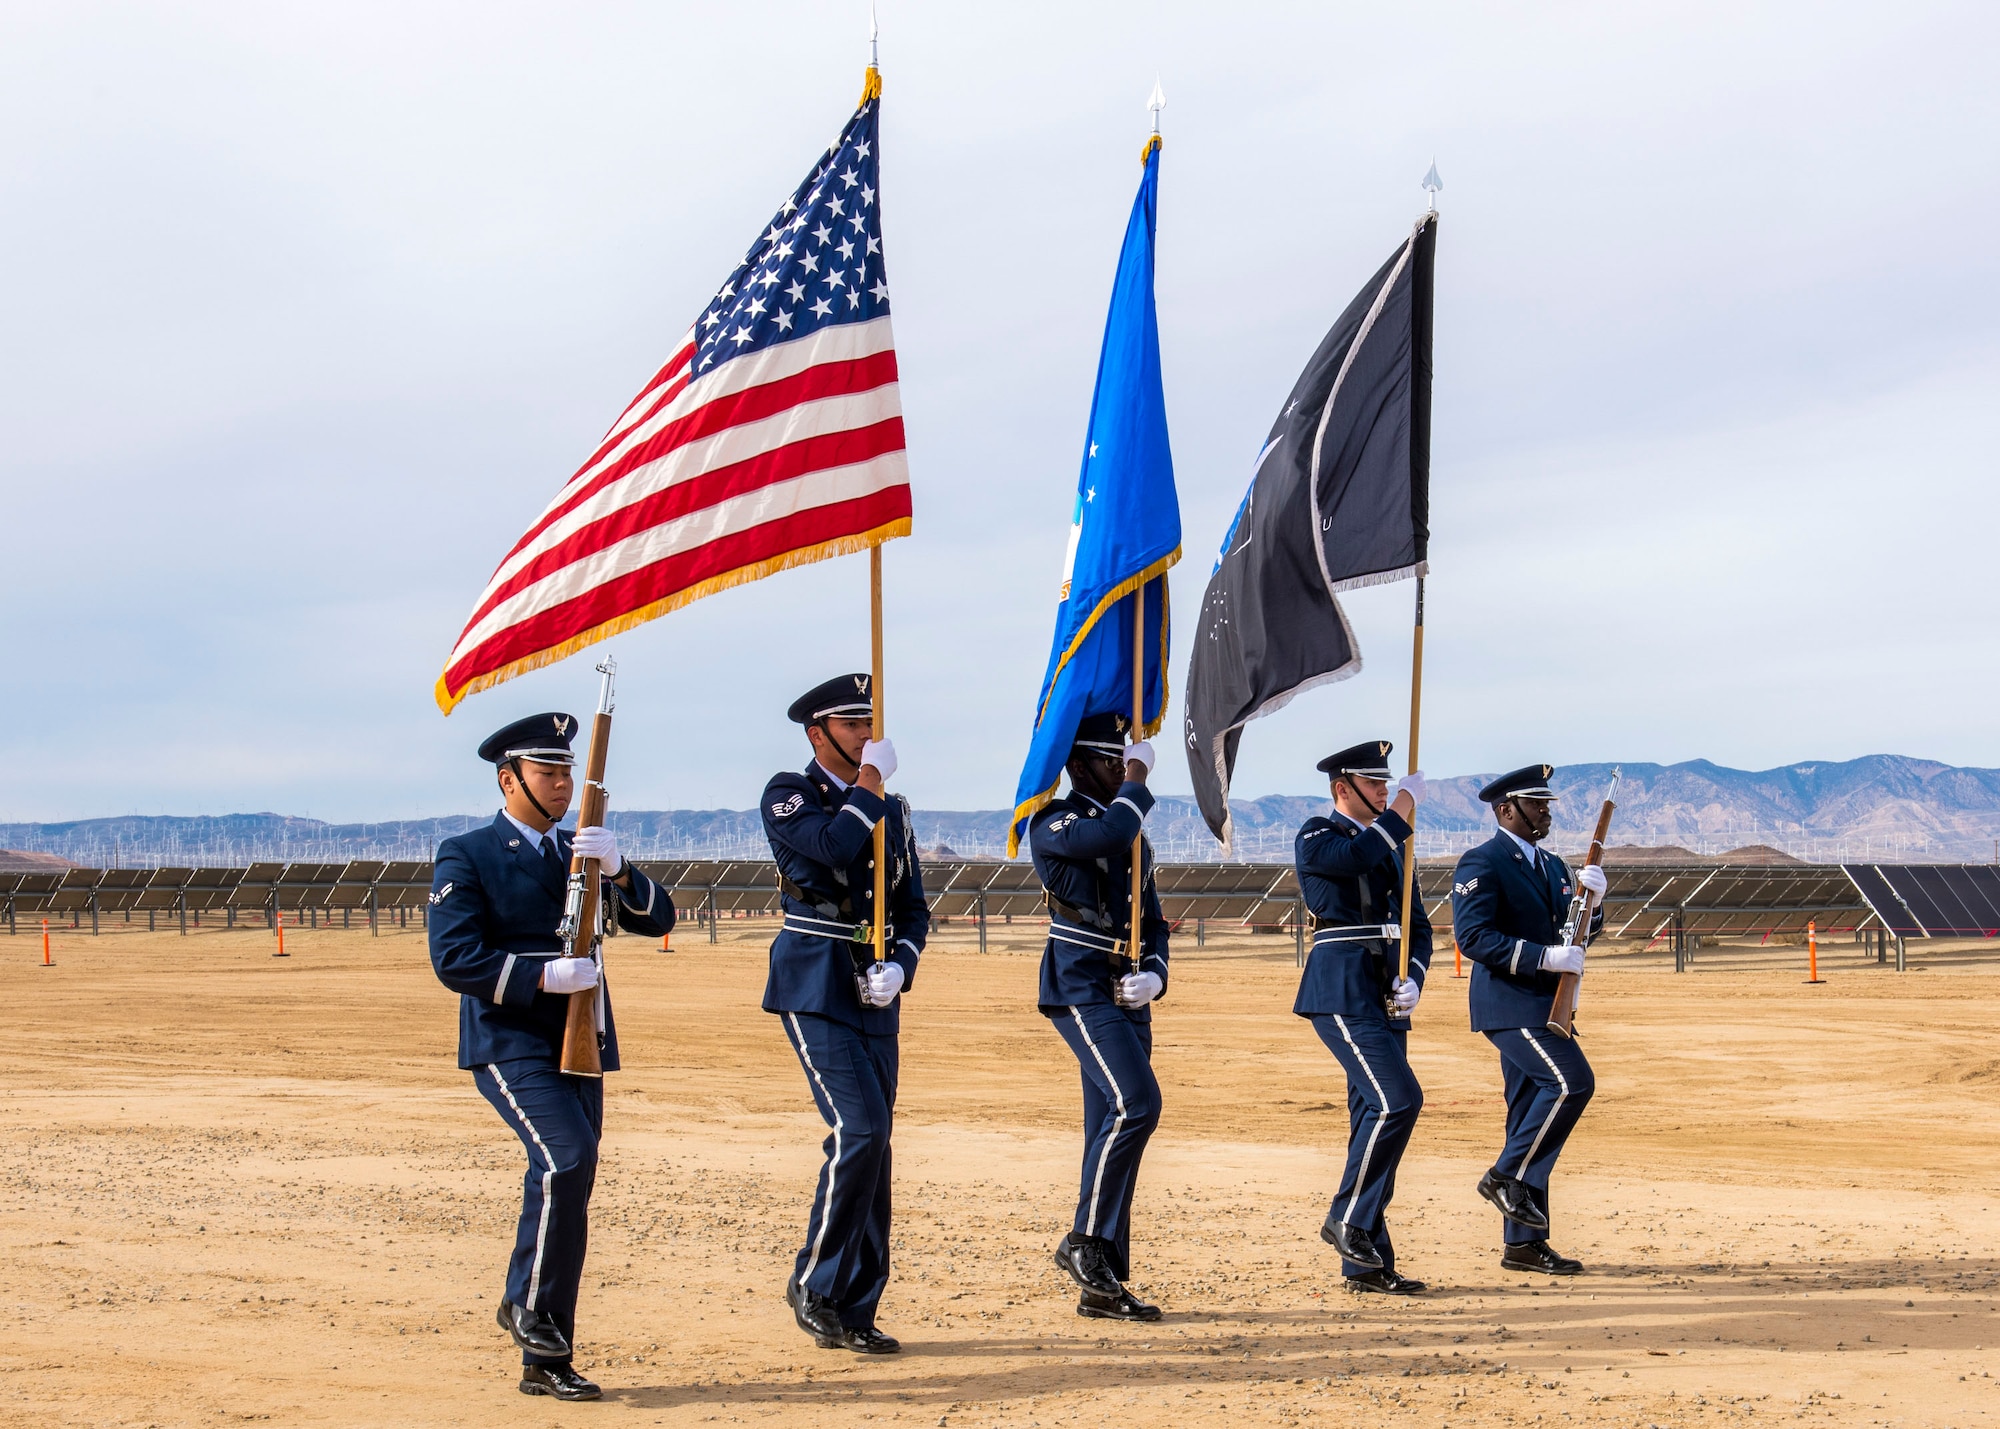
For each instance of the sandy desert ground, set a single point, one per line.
(243, 1188)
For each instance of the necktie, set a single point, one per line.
(552, 856)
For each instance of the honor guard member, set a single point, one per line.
(840, 1007)
(496, 899)
(1509, 897)
(1098, 986)
(1350, 869)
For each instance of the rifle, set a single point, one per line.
(583, 903)
(1576, 928)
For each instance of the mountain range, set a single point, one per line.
(1882, 808)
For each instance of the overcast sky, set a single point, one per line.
(306, 312)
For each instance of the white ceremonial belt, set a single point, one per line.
(1359, 933)
(827, 928)
(1086, 938)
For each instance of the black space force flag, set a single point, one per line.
(1339, 498)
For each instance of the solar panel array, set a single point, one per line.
(1252, 893)
(1651, 900)
(1931, 900)
(1644, 901)
(262, 889)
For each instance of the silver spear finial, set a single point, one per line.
(1157, 103)
(1433, 185)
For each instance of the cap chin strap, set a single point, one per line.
(521, 783)
(1522, 814)
(1103, 787)
(1355, 789)
(852, 763)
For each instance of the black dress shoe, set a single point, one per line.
(1088, 1261)
(1352, 1242)
(1386, 1282)
(817, 1316)
(1122, 1306)
(533, 1331)
(558, 1380)
(1514, 1200)
(1537, 1257)
(869, 1341)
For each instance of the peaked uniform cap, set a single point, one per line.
(1530, 782)
(1102, 733)
(842, 697)
(544, 738)
(1369, 759)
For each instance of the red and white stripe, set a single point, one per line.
(782, 456)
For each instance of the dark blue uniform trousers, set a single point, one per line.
(1548, 1083)
(1121, 1106)
(853, 1081)
(1383, 1100)
(559, 1120)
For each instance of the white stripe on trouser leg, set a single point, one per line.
(1368, 1151)
(1117, 1125)
(1549, 1120)
(833, 1165)
(548, 1186)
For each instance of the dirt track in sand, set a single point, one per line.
(243, 1188)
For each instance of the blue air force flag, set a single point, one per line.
(1125, 532)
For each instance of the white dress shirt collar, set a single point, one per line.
(533, 836)
(1534, 854)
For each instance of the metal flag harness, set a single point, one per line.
(1357, 932)
(1384, 934)
(1095, 928)
(837, 919)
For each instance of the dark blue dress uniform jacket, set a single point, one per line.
(1083, 856)
(1352, 876)
(823, 839)
(1504, 917)
(495, 906)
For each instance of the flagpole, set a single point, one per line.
(1154, 103)
(1433, 185)
(872, 81)
(1138, 732)
(881, 835)
(1416, 713)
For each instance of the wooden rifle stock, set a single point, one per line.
(583, 909)
(1569, 986)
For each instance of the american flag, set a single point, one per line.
(772, 436)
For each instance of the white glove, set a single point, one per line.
(563, 975)
(602, 845)
(882, 754)
(1138, 989)
(1412, 784)
(1563, 960)
(1592, 877)
(1141, 753)
(1405, 992)
(881, 984)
